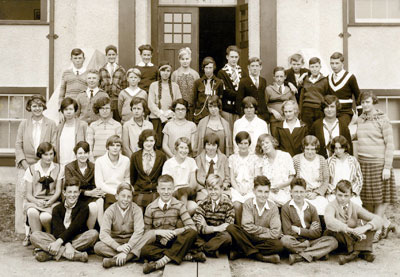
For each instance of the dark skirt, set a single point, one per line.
(375, 190)
(144, 199)
(158, 127)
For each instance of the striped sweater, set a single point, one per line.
(98, 133)
(72, 84)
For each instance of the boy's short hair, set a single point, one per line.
(260, 139)
(139, 100)
(124, 186)
(293, 103)
(330, 99)
(145, 47)
(261, 180)
(249, 101)
(71, 182)
(68, 101)
(314, 60)
(207, 61)
(254, 59)
(232, 48)
(184, 140)
(93, 71)
(296, 58)
(337, 55)
(367, 94)
(179, 101)
(111, 47)
(343, 143)
(213, 180)
(82, 144)
(279, 68)
(135, 71)
(36, 98)
(310, 140)
(165, 178)
(211, 138)
(43, 148)
(144, 135)
(242, 136)
(298, 182)
(77, 52)
(344, 186)
(113, 140)
(213, 101)
(102, 101)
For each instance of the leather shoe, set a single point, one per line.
(81, 257)
(367, 256)
(109, 262)
(234, 255)
(149, 267)
(295, 258)
(344, 259)
(43, 256)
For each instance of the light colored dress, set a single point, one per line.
(244, 173)
(180, 171)
(175, 131)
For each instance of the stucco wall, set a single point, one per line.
(143, 25)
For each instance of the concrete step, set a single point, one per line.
(185, 269)
(214, 267)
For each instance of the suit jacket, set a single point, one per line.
(317, 129)
(291, 78)
(140, 181)
(248, 88)
(80, 134)
(24, 148)
(290, 142)
(221, 168)
(229, 92)
(87, 180)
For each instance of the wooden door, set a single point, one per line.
(242, 33)
(178, 28)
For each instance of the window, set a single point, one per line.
(23, 10)
(375, 11)
(177, 28)
(390, 106)
(244, 26)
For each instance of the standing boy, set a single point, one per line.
(342, 219)
(213, 215)
(343, 84)
(172, 242)
(69, 234)
(296, 74)
(302, 228)
(148, 69)
(258, 237)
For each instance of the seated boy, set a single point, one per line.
(172, 242)
(258, 237)
(213, 215)
(302, 228)
(342, 218)
(121, 233)
(69, 234)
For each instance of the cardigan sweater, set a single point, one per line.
(149, 75)
(87, 180)
(124, 103)
(108, 176)
(130, 135)
(312, 94)
(166, 100)
(72, 84)
(85, 106)
(290, 142)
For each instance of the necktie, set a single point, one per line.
(345, 210)
(280, 90)
(77, 73)
(211, 168)
(213, 206)
(165, 207)
(91, 94)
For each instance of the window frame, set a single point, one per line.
(354, 23)
(43, 17)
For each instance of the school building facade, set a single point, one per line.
(37, 36)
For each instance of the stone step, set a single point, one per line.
(214, 267)
(185, 269)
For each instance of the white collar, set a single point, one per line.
(143, 64)
(340, 74)
(255, 78)
(122, 211)
(38, 167)
(37, 121)
(216, 202)
(95, 91)
(215, 159)
(297, 125)
(260, 212)
(110, 162)
(325, 123)
(114, 65)
(80, 70)
(305, 205)
(161, 203)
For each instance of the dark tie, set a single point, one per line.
(77, 73)
(345, 210)
(280, 90)
(165, 207)
(211, 168)
(91, 94)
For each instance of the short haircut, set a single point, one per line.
(124, 186)
(213, 180)
(77, 52)
(367, 94)
(330, 99)
(135, 71)
(114, 139)
(232, 48)
(93, 71)
(184, 51)
(293, 103)
(111, 47)
(184, 140)
(337, 55)
(279, 68)
(343, 143)
(71, 182)
(68, 101)
(165, 178)
(261, 138)
(144, 135)
(145, 47)
(296, 58)
(314, 60)
(214, 101)
(298, 182)
(344, 186)
(310, 141)
(207, 61)
(102, 101)
(261, 180)
(82, 144)
(211, 138)
(179, 101)
(38, 99)
(241, 136)
(249, 101)
(139, 100)
(255, 59)
(43, 148)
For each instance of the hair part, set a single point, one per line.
(82, 144)
(314, 60)
(124, 186)
(183, 140)
(38, 99)
(261, 180)
(330, 99)
(293, 103)
(343, 143)
(214, 101)
(249, 101)
(344, 186)
(259, 151)
(279, 68)
(231, 48)
(139, 100)
(165, 178)
(298, 182)
(144, 135)
(253, 60)
(114, 139)
(111, 47)
(310, 141)
(145, 47)
(337, 55)
(72, 182)
(43, 148)
(241, 136)
(135, 71)
(211, 138)
(101, 102)
(179, 101)
(207, 61)
(68, 101)
(77, 52)
(367, 94)
(213, 180)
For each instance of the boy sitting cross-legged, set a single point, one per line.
(172, 242)
(69, 234)
(213, 215)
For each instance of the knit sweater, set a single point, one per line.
(124, 103)
(166, 100)
(85, 106)
(98, 133)
(72, 84)
(108, 176)
(375, 139)
(345, 88)
(312, 94)
(149, 75)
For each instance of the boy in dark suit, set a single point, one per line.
(296, 74)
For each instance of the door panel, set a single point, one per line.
(242, 33)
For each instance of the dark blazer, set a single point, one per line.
(248, 88)
(290, 142)
(140, 181)
(290, 78)
(317, 129)
(221, 168)
(87, 180)
(79, 216)
(229, 93)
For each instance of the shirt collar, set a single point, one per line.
(95, 91)
(143, 64)
(80, 70)
(297, 125)
(254, 78)
(260, 211)
(39, 168)
(70, 207)
(37, 121)
(161, 203)
(340, 74)
(325, 123)
(151, 153)
(215, 159)
(305, 205)
(122, 211)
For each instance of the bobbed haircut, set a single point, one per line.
(330, 99)
(253, 60)
(213, 180)
(337, 55)
(102, 101)
(249, 101)
(296, 58)
(343, 143)
(183, 140)
(344, 186)
(261, 180)
(231, 48)
(214, 101)
(310, 141)
(241, 136)
(367, 94)
(279, 68)
(114, 139)
(135, 71)
(43, 148)
(139, 100)
(37, 99)
(111, 47)
(77, 52)
(293, 103)
(72, 182)
(144, 135)
(298, 182)
(261, 138)
(145, 47)
(82, 144)
(314, 60)
(68, 101)
(184, 51)
(207, 61)
(124, 186)
(211, 138)
(179, 101)
(165, 178)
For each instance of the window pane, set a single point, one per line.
(167, 38)
(177, 28)
(396, 138)
(187, 28)
(187, 17)
(4, 134)
(177, 38)
(14, 131)
(177, 17)
(26, 113)
(168, 17)
(167, 28)
(3, 107)
(363, 8)
(394, 9)
(16, 107)
(187, 38)
(378, 9)
(20, 10)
